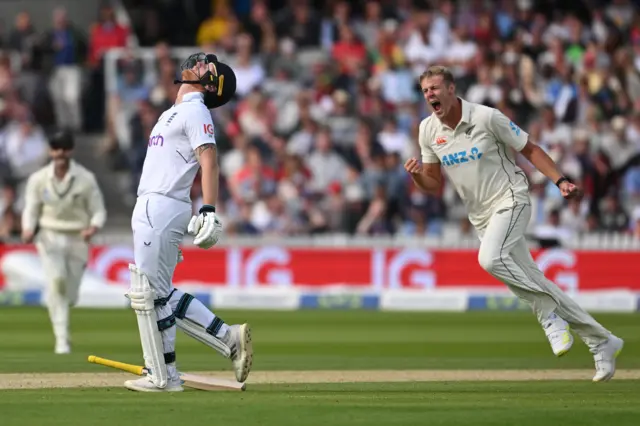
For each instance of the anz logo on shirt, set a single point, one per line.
(461, 157)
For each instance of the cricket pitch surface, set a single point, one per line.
(115, 379)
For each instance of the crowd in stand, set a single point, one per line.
(328, 106)
(50, 78)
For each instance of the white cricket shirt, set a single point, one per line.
(68, 205)
(170, 165)
(477, 158)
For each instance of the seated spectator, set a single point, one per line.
(24, 144)
(131, 89)
(216, 27)
(254, 180)
(552, 233)
(256, 114)
(613, 218)
(326, 165)
(394, 141)
(250, 72)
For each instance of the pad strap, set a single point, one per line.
(166, 323)
(170, 357)
(183, 305)
(162, 301)
(215, 326)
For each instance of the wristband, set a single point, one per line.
(562, 179)
(207, 209)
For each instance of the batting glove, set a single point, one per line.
(206, 227)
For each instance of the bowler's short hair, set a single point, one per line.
(434, 70)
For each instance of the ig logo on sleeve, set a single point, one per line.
(208, 129)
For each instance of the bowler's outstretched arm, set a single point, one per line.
(541, 161)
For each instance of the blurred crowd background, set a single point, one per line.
(328, 104)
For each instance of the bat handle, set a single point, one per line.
(131, 368)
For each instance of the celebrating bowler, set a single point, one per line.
(473, 144)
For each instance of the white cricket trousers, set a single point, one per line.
(505, 255)
(159, 224)
(64, 257)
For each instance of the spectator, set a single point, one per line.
(24, 144)
(254, 180)
(216, 27)
(300, 24)
(552, 233)
(258, 24)
(328, 105)
(256, 115)
(349, 52)
(106, 34)
(123, 102)
(394, 141)
(327, 129)
(325, 165)
(374, 221)
(24, 40)
(613, 218)
(69, 52)
(250, 72)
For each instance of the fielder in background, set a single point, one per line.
(181, 142)
(473, 144)
(64, 208)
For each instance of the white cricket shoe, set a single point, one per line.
(238, 339)
(605, 358)
(62, 347)
(558, 333)
(144, 384)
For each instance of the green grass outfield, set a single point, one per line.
(445, 350)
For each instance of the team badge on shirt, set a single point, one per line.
(469, 131)
(441, 140)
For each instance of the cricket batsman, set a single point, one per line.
(181, 143)
(473, 144)
(64, 208)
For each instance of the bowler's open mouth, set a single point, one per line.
(436, 105)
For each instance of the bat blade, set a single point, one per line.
(210, 383)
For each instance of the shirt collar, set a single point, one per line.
(466, 111)
(70, 173)
(193, 96)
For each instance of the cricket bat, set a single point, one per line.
(190, 380)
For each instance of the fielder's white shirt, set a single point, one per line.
(477, 158)
(170, 165)
(70, 204)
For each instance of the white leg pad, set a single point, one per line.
(142, 299)
(200, 334)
